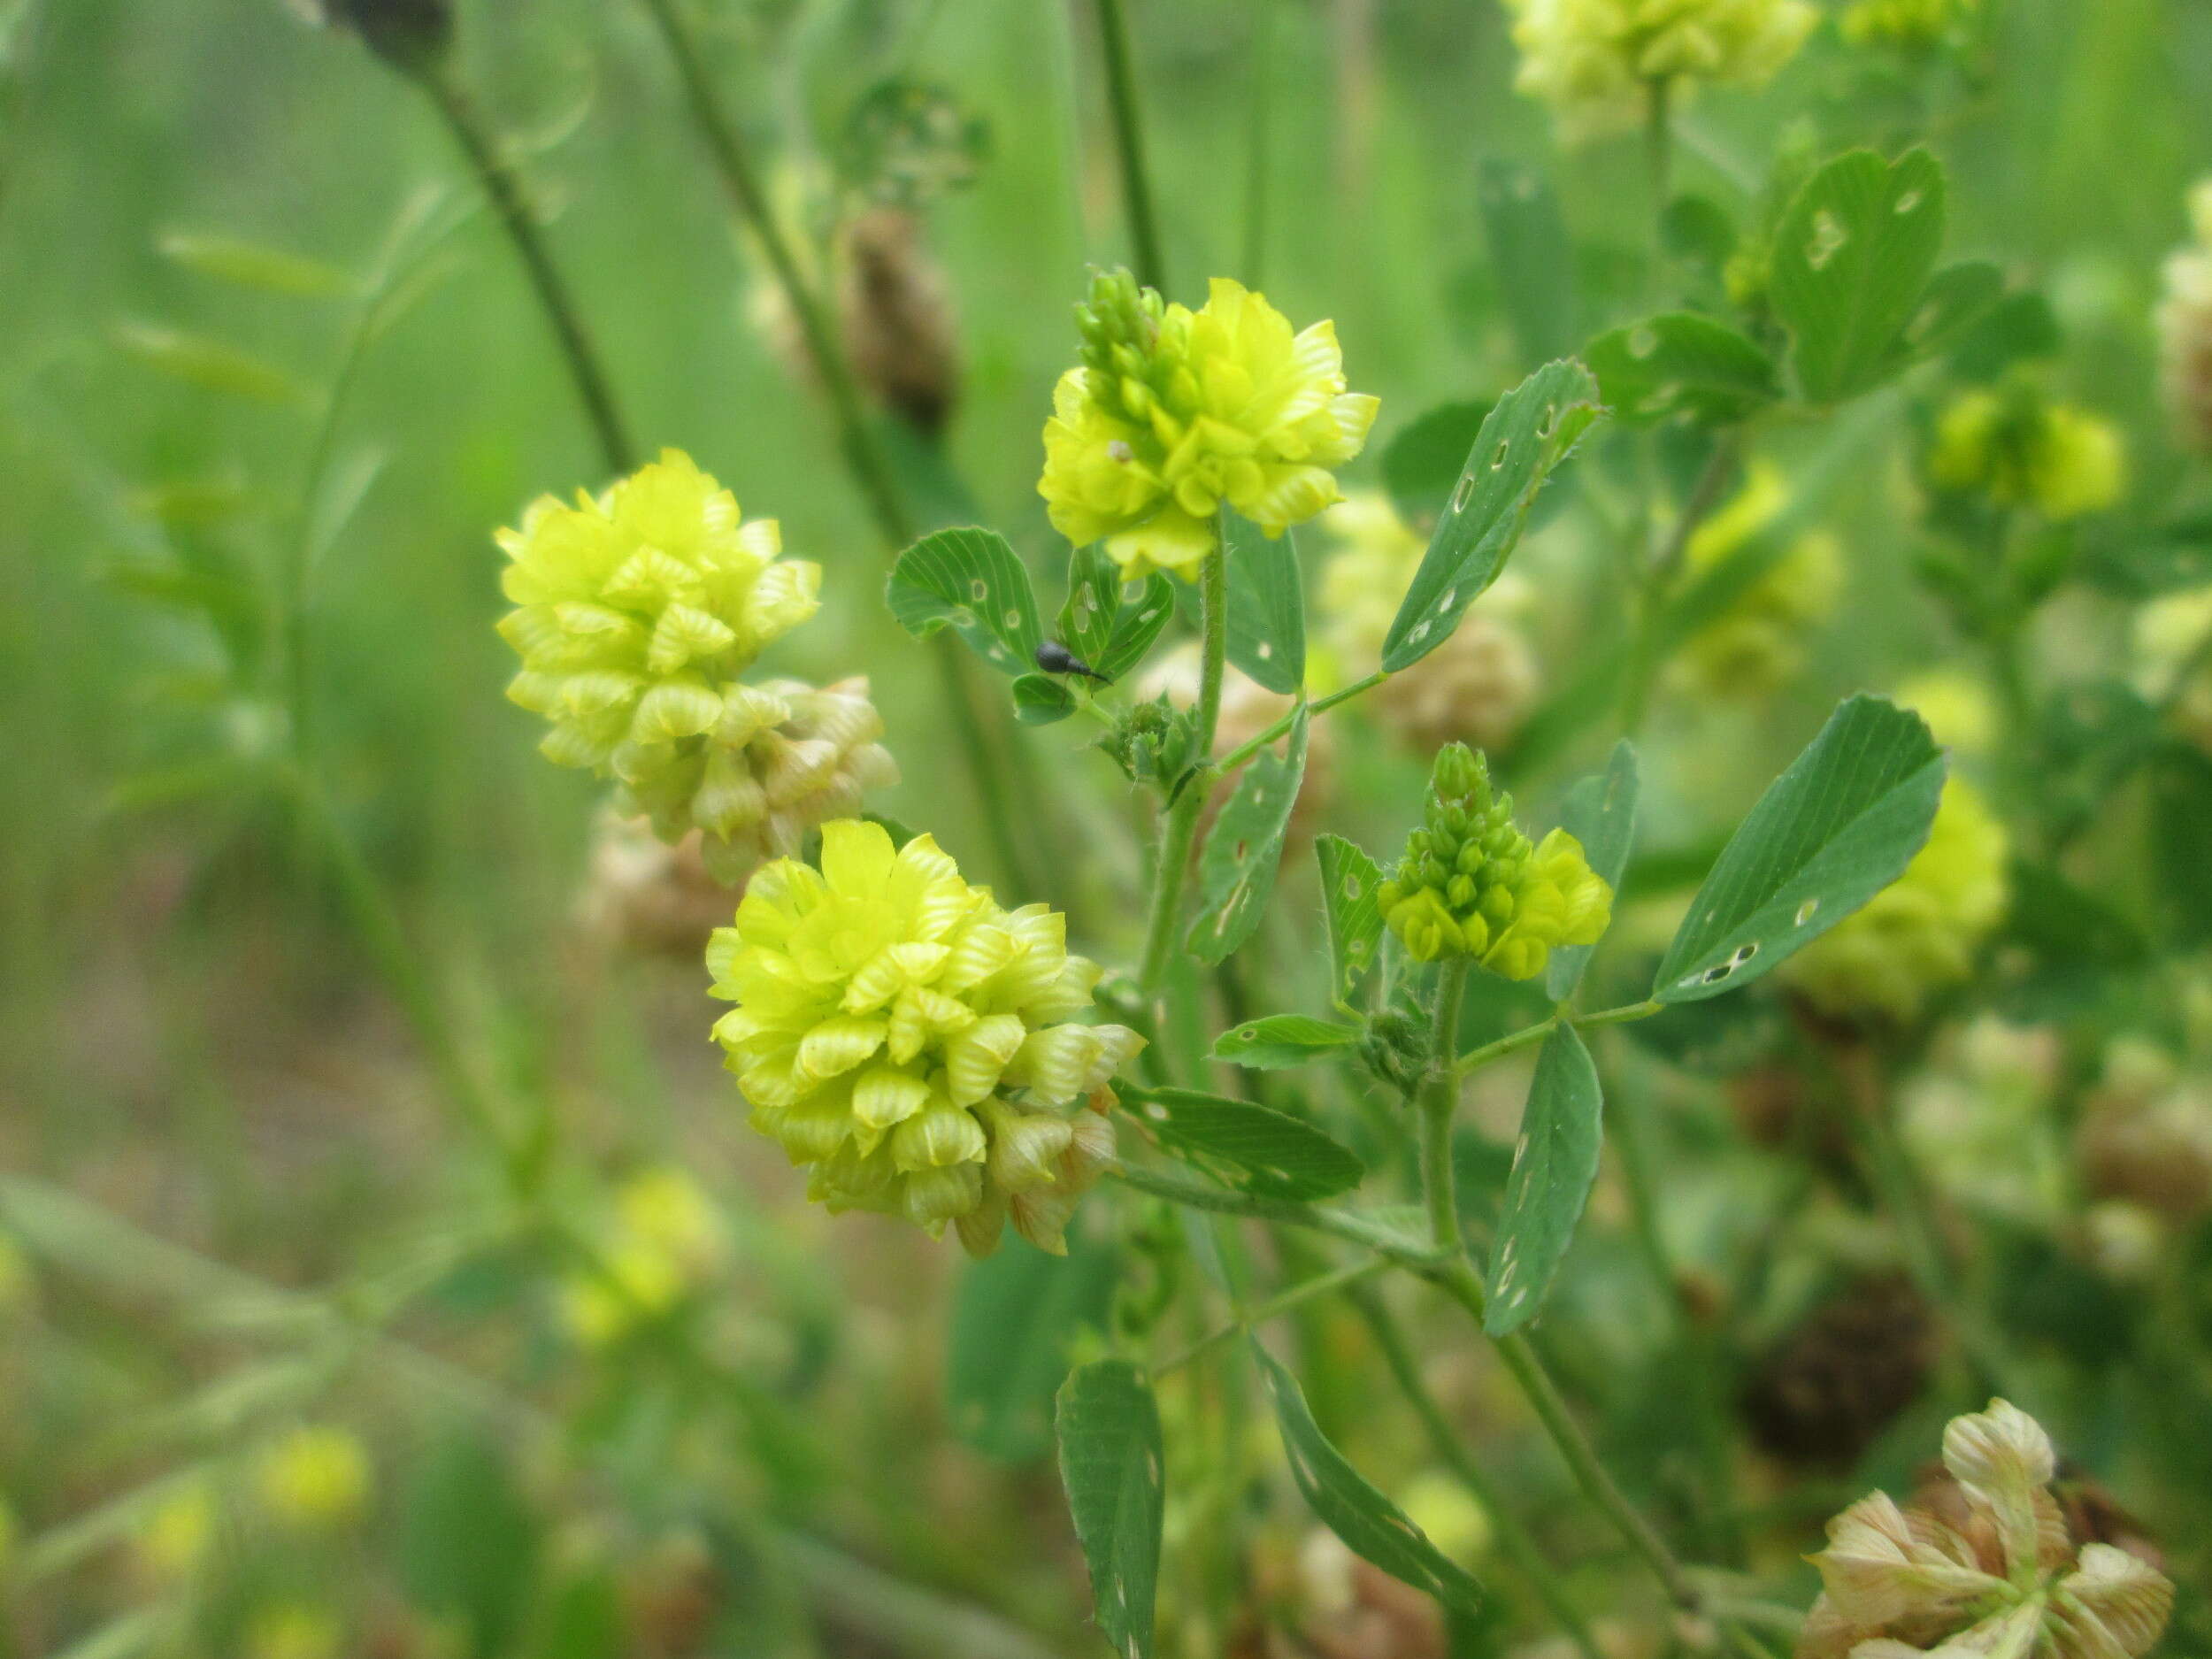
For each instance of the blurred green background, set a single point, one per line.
(191, 1037)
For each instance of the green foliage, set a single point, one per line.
(1350, 884)
(1104, 626)
(1530, 248)
(1555, 1166)
(1017, 1319)
(1682, 363)
(1282, 1040)
(970, 581)
(1250, 1148)
(1834, 830)
(1599, 812)
(1267, 608)
(1111, 1463)
(1236, 872)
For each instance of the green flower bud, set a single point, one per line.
(1490, 895)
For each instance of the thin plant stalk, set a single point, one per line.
(1121, 103)
(1438, 1103)
(1259, 146)
(509, 196)
(1178, 831)
(1520, 1544)
(993, 763)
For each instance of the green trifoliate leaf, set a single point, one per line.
(1530, 431)
(1851, 267)
(1236, 872)
(1281, 1040)
(1835, 829)
(1533, 255)
(1041, 699)
(1111, 1465)
(1251, 1147)
(1350, 879)
(1680, 363)
(970, 581)
(1555, 1166)
(1108, 625)
(1601, 813)
(1016, 1318)
(1267, 610)
(1371, 1526)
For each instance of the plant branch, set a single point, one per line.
(1344, 1278)
(503, 183)
(1528, 1036)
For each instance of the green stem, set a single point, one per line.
(1121, 99)
(510, 197)
(1344, 1278)
(1244, 751)
(1438, 1100)
(1259, 147)
(1519, 1543)
(1528, 1036)
(1178, 833)
(1342, 1224)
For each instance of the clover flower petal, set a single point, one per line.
(905, 1038)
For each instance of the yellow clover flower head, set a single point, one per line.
(2018, 450)
(1597, 62)
(1996, 1571)
(1758, 644)
(635, 612)
(1173, 412)
(912, 1042)
(1471, 884)
(315, 1478)
(1919, 934)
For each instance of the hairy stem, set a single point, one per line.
(1438, 1102)
(510, 197)
(1136, 186)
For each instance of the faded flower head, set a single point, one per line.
(1598, 63)
(1916, 24)
(1759, 642)
(1919, 934)
(1174, 413)
(909, 1041)
(2184, 329)
(2014, 448)
(1477, 688)
(1471, 884)
(1995, 1573)
(316, 1478)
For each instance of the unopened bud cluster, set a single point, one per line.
(1171, 413)
(1471, 885)
(636, 612)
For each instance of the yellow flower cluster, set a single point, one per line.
(2172, 633)
(1477, 688)
(1174, 413)
(1599, 63)
(1471, 884)
(636, 612)
(664, 1240)
(315, 1478)
(1758, 644)
(2018, 450)
(2184, 329)
(1919, 934)
(1994, 1569)
(908, 1039)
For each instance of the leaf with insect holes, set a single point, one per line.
(1533, 255)
(1530, 431)
(1041, 699)
(1251, 1147)
(1112, 1466)
(1236, 872)
(1267, 610)
(1682, 363)
(1350, 878)
(1017, 1318)
(1425, 458)
(1372, 1527)
(1555, 1166)
(970, 581)
(1282, 1040)
(1851, 266)
(1601, 813)
(1832, 831)
(1108, 630)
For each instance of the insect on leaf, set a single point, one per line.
(1101, 622)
